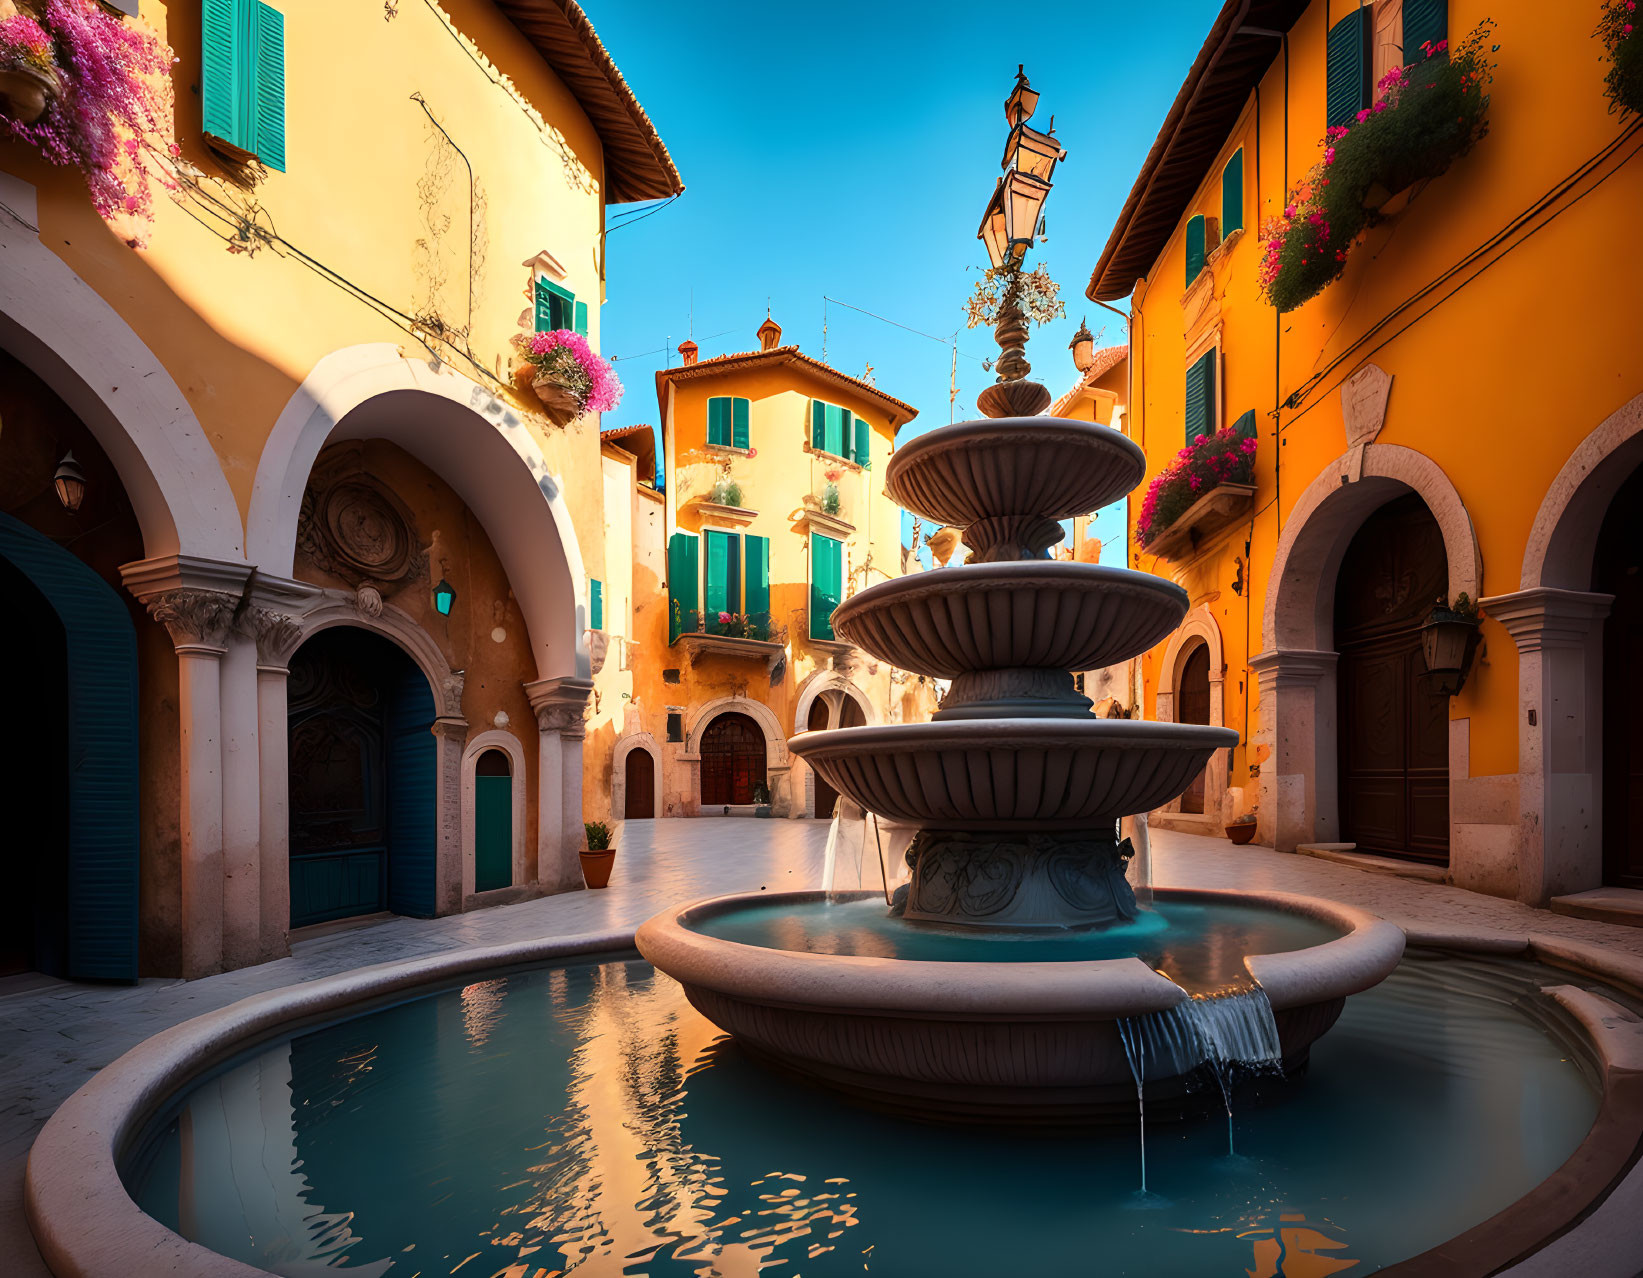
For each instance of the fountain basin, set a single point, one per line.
(1021, 1041)
(1017, 775)
(1029, 613)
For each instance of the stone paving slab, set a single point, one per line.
(54, 1037)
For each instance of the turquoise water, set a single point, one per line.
(586, 1120)
(1201, 946)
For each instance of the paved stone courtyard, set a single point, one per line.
(57, 1035)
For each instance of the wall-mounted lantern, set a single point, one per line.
(1449, 640)
(70, 482)
(444, 597)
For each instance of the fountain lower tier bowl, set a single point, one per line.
(1018, 775)
(1030, 613)
(1000, 1041)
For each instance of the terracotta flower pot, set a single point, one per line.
(596, 867)
(1241, 832)
(26, 92)
(558, 403)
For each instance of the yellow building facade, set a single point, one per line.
(773, 512)
(1458, 414)
(349, 560)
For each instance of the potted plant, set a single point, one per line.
(725, 491)
(1241, 829)
(1225, 457)
(1623, 46)
(599, 855)
(568, 377)
(28, 68)
(761, 796)
(830, 492)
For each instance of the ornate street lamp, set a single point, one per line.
(70, 482)
(1023, 99)
(1449, 638)
(444, 597)
(1082, 346)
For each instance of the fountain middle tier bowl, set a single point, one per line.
(1029, 613)
(1012, 774)
(1015, 1039)
(1050, 467)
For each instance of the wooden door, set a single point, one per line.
(827, 797)
(1393, 729)
(1618, 571)
(1192, 706)
(733, 761)
(493, 821)
(640, 773)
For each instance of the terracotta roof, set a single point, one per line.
(640, 441)
(1104, 361)
(637, 164)
(1240, 47)
(899, 412)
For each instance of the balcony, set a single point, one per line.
(734, 635)
(1217, 510)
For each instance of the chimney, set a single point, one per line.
(770, 334)
(687, 351)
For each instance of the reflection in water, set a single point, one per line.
(587, 1120)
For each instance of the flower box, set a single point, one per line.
(558, 402)
(566, 374)
(1218, 509)
(732, 514)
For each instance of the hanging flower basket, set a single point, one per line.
(1623, 46)
(568, 377)
(559, 402)
(25, 92)
(1425, 117)
(1198, 470)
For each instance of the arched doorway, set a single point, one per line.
(826, 796)
(493, 821)
(362, 782)
(1393, 729)
(639, 803)
(1617, 569)
(1192, 706)
(733, 761)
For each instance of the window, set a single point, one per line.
(1197, 247)
(596, 604)
(242, 79)
(727, 421)
(723, 590)
(557, 308)
(826, 583)
(675, 725)
(1350, 66)
(1200, 404)
(734, 581)
(1232, 194)
(840, 432)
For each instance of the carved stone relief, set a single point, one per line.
(355, 528)
(196, 617)
(1363, 404)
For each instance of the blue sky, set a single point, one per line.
(847, 151)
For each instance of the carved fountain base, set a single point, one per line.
(1017, 881)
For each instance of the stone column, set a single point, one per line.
(450, 735)
(277, 637)
(1298, 785)
(241, 803)
(1559, 638)
(198, 621)
(560, 705)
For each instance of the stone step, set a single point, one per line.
(1346, 854)
(1605, 905)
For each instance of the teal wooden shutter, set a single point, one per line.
(826, 573)
(833, 441)
(1244, 427)
(581, 321)
(682, 579)
(1424, 22)
(543, 316)
(818, 425)
(863, 437)
(493, 832)
(1350, 67)
(1232, 194)
(1200, 405)
(758, 576)
(555, 307)
(220, 70)
(268, 105)
(718, 421)
(412, 792)
(1196, 249)
(596, 604)
(720, 594)
(738, 423)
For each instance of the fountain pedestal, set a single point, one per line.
(1040, 880)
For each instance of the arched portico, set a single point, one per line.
(833, 688)
(1299, 801)
(1556, 621)
(1197, 630)
(776, 758)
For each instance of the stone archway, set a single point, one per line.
(1556, 621)
(1299, 801)
(831, 687)
(647, 743)
(777, 767)
(1197, 631)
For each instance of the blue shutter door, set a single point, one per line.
(268, 107)
(1232, 194)
(1424, 22)
(102, 751)
(220, 23)
(412, 793)
(683, 576)
(758, 575)
(739, 436)
(1196, 253)
(1349, 67)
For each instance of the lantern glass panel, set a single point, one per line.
(1033, 152)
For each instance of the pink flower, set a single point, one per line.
(724, 617)
(1626, 30)
(1363, 115)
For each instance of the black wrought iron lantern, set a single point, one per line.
(70, 482)
(1449, 639)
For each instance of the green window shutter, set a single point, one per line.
(738, 423)
(1196, 249)
(758, 575)
(596, 603)
(1350, 67)
(1200, 406)
(1232, 194)
(544, 307)
(220, 69)
(682, 578)
(833, 441)
(863, 436)
(268, 105)
(555, 307)
(826, 574)
(718, 421)
(1424, 22)
(724, 576)
(1245, 425)
(818, 424)
(581, 313)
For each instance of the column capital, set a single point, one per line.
(198, 620)
(560, 704)
(1547, 617)
(1292, 667)
(278, 635)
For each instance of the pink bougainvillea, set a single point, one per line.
(1225, 457)
(566, 358)
(24, 42)
(114, 110)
